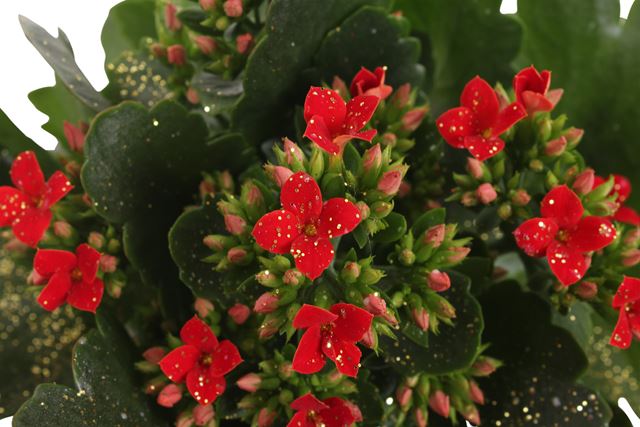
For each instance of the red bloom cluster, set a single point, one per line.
(563, 235)
(305, 224)
(202, 361)
(532, 90)
(370, 83)
(331, 412)
(70, 278)
(331, 334)
(627, 301)
(27, 207)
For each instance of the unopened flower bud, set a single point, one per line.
(171, 17)
(389, 139)
(381, 209)
(505, 211)
(169, 395)
(266, 303)
(474, 167)
(74, 136)
(96, 240)
(439, 403)
(420, 415)
(486, 193)
(364, 209)
(438, 281)
(250, 382)
(176, 55)
(521, 198)
(407, 257)
(233, 8)
(184, 420)
(203, 307)
(475, 393)
(375, 305)
(154, 354)
(573, 136)
(206, 44)
(235, 224)
(586, 290)
(267, 278)
(434, 236)
(350, 272)
(154, 385)
(269, 328)
(401, 97)
(390, 181)
(370, 338)
(403, 396)
(584, 181)
(468, 199)
(458, 254)
(470, 413)
(207, 187)
(632, 238)
(62, 229)
(202, 414)
(340, 86)
(266, 417)
(237, 255)
(421, 318)
(484, 366)
(244, 43)
(292, 151)
(158, 50)
(192, 96)
(413, 118)
(370, 276)
(239, 313)
(631, 258)
(372, 159)
(278, 174)
(108, 263)
(207, 4)
(35, 278)
(555, 147)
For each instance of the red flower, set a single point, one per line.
(71, 278)
(331, 334)
(627, 301)
(564, 235)
(478, 123)
(304, 225)
(621, 187)
(331, 123)
(368, 83)
(331, 412)
(532, 90)
(202, 361)
(27, 208)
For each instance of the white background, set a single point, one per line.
(23, 70)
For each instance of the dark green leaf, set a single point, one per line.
(396, 228)
(216, 93)
(192, 18)
(127, 24)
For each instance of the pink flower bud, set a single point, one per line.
(202, 414)
(375, 305)
(584, 181)
(286, 370)
(207, 4)
(400, 99)
(266, 303)
(632, 237)
(439, 403)
(176, 55)
(364, 209)
(292, 151)
(171, 17)
(154, 354)
(420, 415)
(108, 263)
(169, 395)
(339, 86)
(403, 395)
(476, 393)
(96, 240)
(244, 43)
(236, 255)
(292, 277)
(474, 166)
(458, 253)
(404, 190)
(72, 168)
(266, 417)
(184, 420)
(421, 318)
(389, 139)
(206, 44)
(471, 414)
(203, 307)
(521, 198)
(573, 136)
(35, 278)
(268, 328)
(62, 229)
(233, 8)
(369, 338)
(413, 118)
(438, 281)
(486, 193)
(631, 258)
(250, 382)
(158, 50)
(372, 158)
(390, 182)
(434, 236)
(555, 147)
(278, 174)
(355, 410)
(226, 181)
(483, 367)
(253, 196)
(74, 136)
(586, 290)
(239, 313)
(206, 188)
(193, 98)
(235, 224)
(468, 199)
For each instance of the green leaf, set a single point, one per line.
(371, 38)
(453, 349)
(59, 55)
(107, 393)
(428, 220)
(272, 83)
(127, 24)
(215, 93)
(396, 227)
(542, 363)
(193, 18)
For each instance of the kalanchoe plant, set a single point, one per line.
(282, 224)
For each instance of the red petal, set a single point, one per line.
(366, 135)
(534, 235)
(359, 111)
(308, 403)
(352, 322)
(454, 125)
(198, 334)
(534, 102)
(591, 234)
(178, 362)
(276, 230)
(568, 265)
(346, 355)
(31, 225)
(508, 117)
(627, 215)
(629, 291)
(554, 96)
(49, 261)
(86, 296)
(482, 148)
(310, 315)
(12, 203)
(300, 419)
(338, 217)
(57, 187)
(88, 261)
(203, 386)
(55, 292)
(481, 99)
(621, 186)
(26, 174)
(621, 336)
(529, 79)
(225, 358)
(301, 196)
(329, 105)
(563, 205)
(338, 414)
(362, 81)
(308, 358)
(312, 255)
(318, 132)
